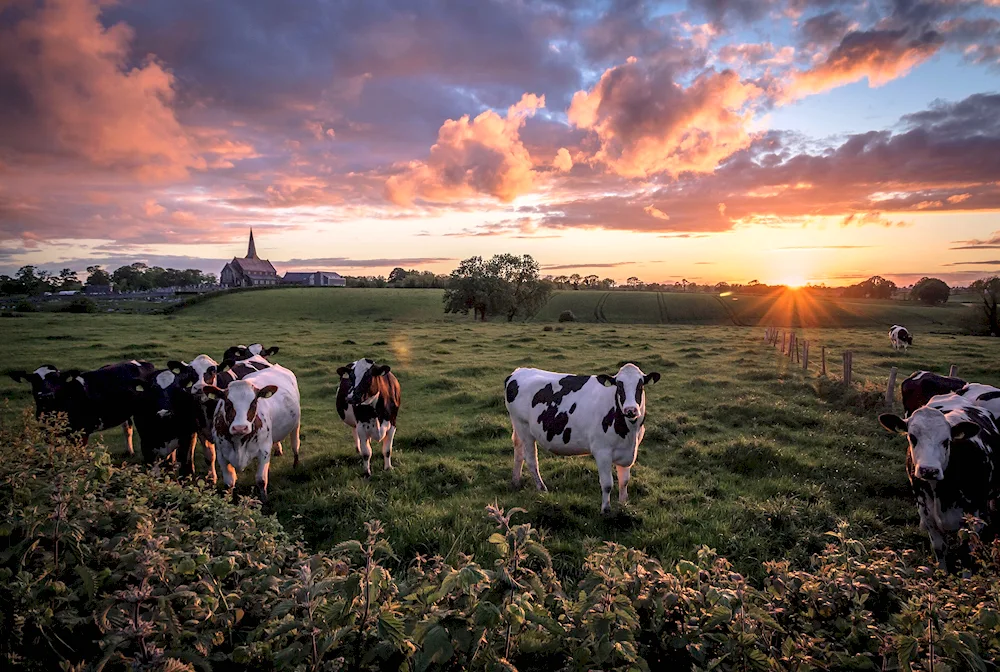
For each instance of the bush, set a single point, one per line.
(80, 304)
(113, 567)
(567, 316)
(25, 306)
(930, 291)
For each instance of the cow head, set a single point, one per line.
(206, 370)
(629, 398)
(361, 376)
(46, 384)
(239, 407)
(238, 353)
(906, 337)
(930, 437)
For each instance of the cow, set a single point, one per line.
(91, 400)
(951, 463)
(984, 396)
(167, 416)
(368, 401)
(920, 386)
(900, 337)
(570, 414)
(251, 415)
(238, 353)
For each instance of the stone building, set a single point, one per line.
(250, 271)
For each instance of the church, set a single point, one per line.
(250, 271)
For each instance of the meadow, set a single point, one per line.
(743, 451)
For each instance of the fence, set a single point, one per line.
(797, 352)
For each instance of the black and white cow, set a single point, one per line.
(368, 401)
(984, 396)
(951, 462)
(253, 414)
(92, 400)
(900, 337)
(569, 414)
(167, 416)
(920, 386)
(238, 353)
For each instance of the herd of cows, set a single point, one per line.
(243, 407)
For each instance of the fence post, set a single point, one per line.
(890, 389)
(805, 356)
(782, 342)
(822, 354)
(847, 367)
(953, 371)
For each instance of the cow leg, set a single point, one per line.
(185, 451)
(228, 476)
(365, 446)
(607, 479)
(515, 481)
(276, 448)
(296, 442)
(624, 474)
(208, 448)
(387, 447)
(531, 457)
(263, 466)
(357, 439)
(940, 547)
(127, 430)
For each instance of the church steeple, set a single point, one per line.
(251, 248)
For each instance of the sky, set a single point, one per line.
(784, 141)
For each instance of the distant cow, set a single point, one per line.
(922, 385)
(900, 337)
(167, 416)
(368, 402)
(578, 415)
(251, 415)
(92, 400)
(951, 463)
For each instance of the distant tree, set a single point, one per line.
(98, 276)
(591, 281)
(930, 291)
(988, 290)
(633, 283)
(575, 280)
(608, 283)
(32, 280)
(397, 275)
(722, 287)
(506, 285)
(131, 278)
(875, 287)
(467, 289)
(69, 281)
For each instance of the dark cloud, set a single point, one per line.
(564, 267)
(992, 243)
(360, 263)
(987, 262)
(825, 247)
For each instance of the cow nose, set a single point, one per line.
(631, 412)
(929, 473)
(241, 430)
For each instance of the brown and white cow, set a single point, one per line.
(251, 415)
(368, 402)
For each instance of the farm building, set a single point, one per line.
(315, 279)
(250, 271)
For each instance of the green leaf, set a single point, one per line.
(437, 644)
(87, 577)
(720, 614)
(391, 627)
(349, 546)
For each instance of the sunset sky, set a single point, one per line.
(778, 140)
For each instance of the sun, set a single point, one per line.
(794, 282)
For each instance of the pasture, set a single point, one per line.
(743, 451)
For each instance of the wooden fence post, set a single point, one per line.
(782, 342)
(953, 371)
(890, 389)
(847, 367)
(822, 354)
(805, 356)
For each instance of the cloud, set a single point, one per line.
(987, 262)
(992, 243)
(70, 89)
(566, 267)
(360, 263)
(824, 247)
(648, 123)
(483, 156)
(563, 161)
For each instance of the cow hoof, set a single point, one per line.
(515, 485)
(295, 464)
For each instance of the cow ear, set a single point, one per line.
(342, 371)
(605, 380)
(964, 430)
(213, 392)
(651, 378)
(225, 365)
(893, 423)
(175, 366)
(273, 350)
(68, 376)
(19, 376)
(137, 386)
(382, 370)
(267, 392)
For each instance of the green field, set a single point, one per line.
(742, 451)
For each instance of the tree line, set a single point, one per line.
(137, 277)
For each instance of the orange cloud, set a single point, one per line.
(484, 155)
(563, 161)
(83, 98)
(647, 123)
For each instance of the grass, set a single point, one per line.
(743, 451)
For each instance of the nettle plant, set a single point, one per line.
(108, 567)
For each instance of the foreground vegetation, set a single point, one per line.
(113, 567)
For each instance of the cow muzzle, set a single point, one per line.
(929, 473)
(239, 430)
(631, 413)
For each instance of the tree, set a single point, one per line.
(930, 291)
(505, 285)
(130, 278)
(68, 280)
(633, 283)
(98, 276)
(398, 274)
(32, 280)
(575, 280)
(988, 290)
(875, 287)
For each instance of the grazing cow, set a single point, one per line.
(238, 353)
(900, 337)
(368, 402)
(251, 415)
(167, 416)
(578, 415)
(92, 400)
(951, 462)
(918, 389)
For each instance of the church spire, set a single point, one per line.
(251, 249)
